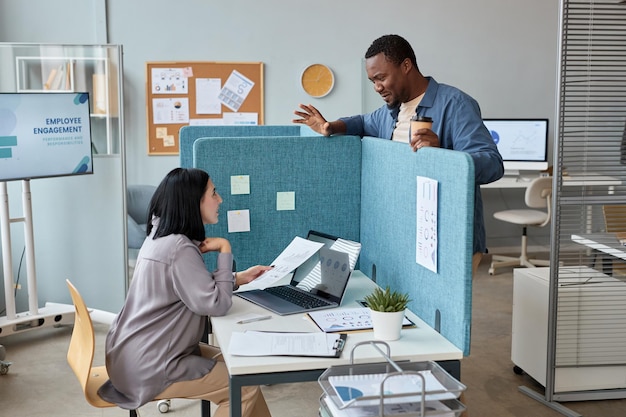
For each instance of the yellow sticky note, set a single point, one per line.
(161, 132)
(238, 221)
(169, 140)
(240, 184)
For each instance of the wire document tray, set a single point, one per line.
(388, 389)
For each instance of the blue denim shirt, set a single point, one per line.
(458, 123)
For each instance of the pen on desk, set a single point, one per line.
(254, 319)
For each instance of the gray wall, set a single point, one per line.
(502, 52)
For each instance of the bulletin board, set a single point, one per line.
(199, 93)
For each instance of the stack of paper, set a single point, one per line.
(329, 409)
(349, 388)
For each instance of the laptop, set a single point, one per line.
(317, 284)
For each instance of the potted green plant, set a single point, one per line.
(387, 312)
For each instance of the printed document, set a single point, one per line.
(294, 255)
(255, 343)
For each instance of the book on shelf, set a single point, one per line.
(346, 319)
(67, 76)
(59, 78)
(51, 77)
(99, 93)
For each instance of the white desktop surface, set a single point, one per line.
(523, 180)
(416, 344)
(603, 242)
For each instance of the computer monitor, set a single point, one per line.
(523, 143)
(44, 134)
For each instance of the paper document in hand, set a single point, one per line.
(298, 251)
(254, 343)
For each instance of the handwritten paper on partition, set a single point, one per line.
(426, 238)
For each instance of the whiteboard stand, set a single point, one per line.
(52, 314)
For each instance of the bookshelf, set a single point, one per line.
(79, 223)
(95, 69)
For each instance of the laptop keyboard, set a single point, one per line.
(296, 297)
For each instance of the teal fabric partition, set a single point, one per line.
(389, 227)
(363, 190)
(188, 134)
(324, 174)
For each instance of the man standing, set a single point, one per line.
(391, 66)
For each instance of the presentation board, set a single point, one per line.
(200, 94)
(44, 135)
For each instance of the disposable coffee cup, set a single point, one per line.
(421, 122)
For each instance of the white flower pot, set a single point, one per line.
(387, 325)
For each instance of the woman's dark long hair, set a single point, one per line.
(176, 202)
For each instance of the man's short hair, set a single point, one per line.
(395, 48)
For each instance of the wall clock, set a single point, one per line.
(317, 80)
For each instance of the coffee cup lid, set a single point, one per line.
(417, 118)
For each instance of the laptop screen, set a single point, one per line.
(305, 269)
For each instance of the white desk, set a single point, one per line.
(606, 243)
(603, 242)
(588, 180)
(416, 344)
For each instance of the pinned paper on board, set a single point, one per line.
(170, 110)
(207, 91)
(240, 118)
(238, 221)
(169, 80)
(426, 237)
(235, 91)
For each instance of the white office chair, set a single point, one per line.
(538, 195)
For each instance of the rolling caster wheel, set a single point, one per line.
(518, 370)
(164, 406)
(4, 368)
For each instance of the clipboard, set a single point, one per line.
(347, 320)
(260, 343)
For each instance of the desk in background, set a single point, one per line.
(421, 343)
(589, 180)
(605, 243)
(522, 181)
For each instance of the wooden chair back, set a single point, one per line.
(81, 352)
(615, 218)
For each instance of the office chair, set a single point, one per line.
(81, 352)
(538, 195)
(615, 222)
(137, 201)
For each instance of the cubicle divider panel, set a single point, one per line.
(188, 135)
(323, 174)
(389, 230)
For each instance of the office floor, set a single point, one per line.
(40, 383)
